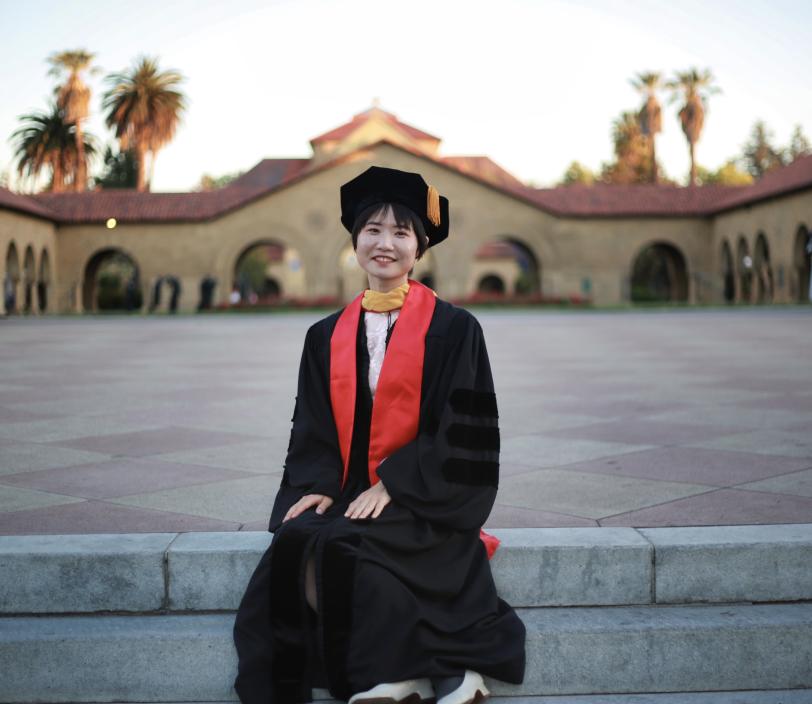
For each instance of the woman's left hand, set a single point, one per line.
(372, 501)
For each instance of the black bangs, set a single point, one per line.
(404, 217)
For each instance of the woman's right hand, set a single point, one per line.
(321, 502)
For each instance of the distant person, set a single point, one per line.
(156, 294)
(809, 257)
(377, 583)
(9, 294)
(174, 284)
(234, 297)
(207, 285)
(131, 294)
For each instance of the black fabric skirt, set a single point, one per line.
(397, 599)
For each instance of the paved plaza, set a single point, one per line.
(608, 418)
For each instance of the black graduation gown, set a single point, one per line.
(409, 594)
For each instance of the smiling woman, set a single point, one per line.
(377, 583)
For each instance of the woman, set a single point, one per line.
(377, 583)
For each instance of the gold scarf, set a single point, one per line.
(380, 302)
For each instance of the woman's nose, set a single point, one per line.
(386, 242)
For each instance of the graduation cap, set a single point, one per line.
(381, 185)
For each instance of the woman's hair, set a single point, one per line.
(404, 217)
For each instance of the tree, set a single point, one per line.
(650, 115)
(729, 174)
(577, 173)
(798, 145)
(48, 140)
(120, 170)
(210, 183)
(760, 154)
(633, 155)
(693, 88)
(73, 98)
(144, 109)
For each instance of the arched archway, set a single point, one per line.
(12, 279)
(529, 281)
(111, 282)
(728, 274)
(43, 281)
(744, 269)
(512, 262)
(29, 279)
(762, 270)
(802, 264)
(265, 271)
(491, 284)
(659, 274)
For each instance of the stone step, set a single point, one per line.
(775, 696)
(571, 650)
(166, 572)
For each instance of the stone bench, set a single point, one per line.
(153, 572)
(148, 617)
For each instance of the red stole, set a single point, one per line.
(397, 396)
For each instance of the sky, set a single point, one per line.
(533, 84)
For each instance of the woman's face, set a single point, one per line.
(386, 251)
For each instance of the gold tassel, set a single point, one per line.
(433, 206)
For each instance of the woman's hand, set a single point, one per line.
(321, 502)
(372, 501)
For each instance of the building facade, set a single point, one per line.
(275, 232)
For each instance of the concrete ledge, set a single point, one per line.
(573, 566)
(732, 563)
(570, 651)
(666, 649)
(776, 696)
(209, 571)
(97, 572)
(117, 658)
(160, 572)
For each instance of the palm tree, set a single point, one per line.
(49, 140)
(144, 109)
(650, 114)
(694, 88)
(631, 164)
(73, 97)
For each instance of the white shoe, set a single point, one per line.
(471, 691)
(406, 692)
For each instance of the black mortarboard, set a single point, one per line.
(381, 185)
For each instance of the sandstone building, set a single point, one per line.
(608, 244)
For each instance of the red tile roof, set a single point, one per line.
(127, 205)
(357, 120)
(652, 200)
(600, 200)
(795, 177)
(269, 173)
(636, 200)
(9, 200)
(484, 167)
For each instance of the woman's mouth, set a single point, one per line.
(383, 260)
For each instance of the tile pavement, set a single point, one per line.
(628, 418)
